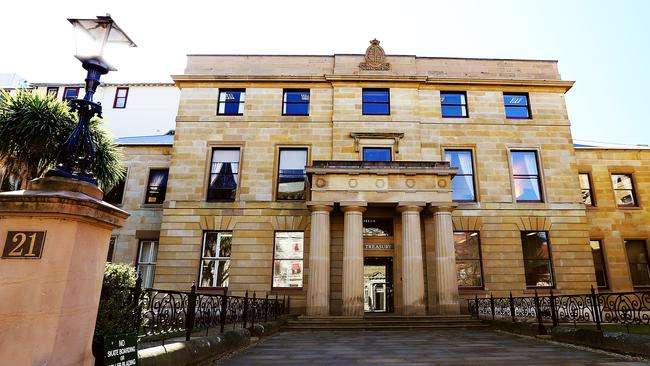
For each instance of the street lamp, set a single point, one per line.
(95, 41)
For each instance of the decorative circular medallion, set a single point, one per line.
(380, 183)
(353, 183)
(320, 182)
(442, 183)
(410, 183)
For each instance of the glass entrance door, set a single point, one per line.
(377, 284)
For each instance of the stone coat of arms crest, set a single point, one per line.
(375, 58)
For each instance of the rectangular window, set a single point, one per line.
(70, 93)
(637, 257)
(377, 154)
(146, 265)
(224, 172)
(120, 98)
(53, 91)
(288, 259)
(295, 102)
(599, 263)
(585, 187)
(624, 190)
(462, 184)
(468, 259)
(453, 104)
(537, 259)
(215, 259)
(156, 186)
(111, 248)
(115, 194)
(291, 174)
(231, 102)
(375, 102)
(525, 173)
(516, 105)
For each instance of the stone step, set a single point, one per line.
(388, 322)
(318, 327)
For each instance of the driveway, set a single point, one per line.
(436, 347)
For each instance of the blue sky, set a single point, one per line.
(603, 45)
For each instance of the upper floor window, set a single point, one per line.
(537, 259)
(525, 174)
(156, 186)
(146, 265)
(53, 91)
(585, 187)
(291, 174)
(115, 194)
(637, 258)
(120, 98)
(215, 259)
(295, 102)
(454, 104)
(462, 184)
(468, 259)
(71, 93)
(375, 102)
(599, 263)
(624, 190)
(231, 102)
(288, 259)
(224, 171)
(516, 105)
(377, 154)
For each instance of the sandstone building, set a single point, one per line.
(374, 183)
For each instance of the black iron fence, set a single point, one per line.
(622, 308)
(162, 314)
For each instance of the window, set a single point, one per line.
(637, 257)
(375, 102)
(462, 184)
(468, 259)
(526, 176)
(146, 266)
(377, 154)
(53, 91)
(71, 93)
(377, 227)
(291, 174)
(454, 104)
(537, 259)
(231, 102)
(120, 98)
(288, 259)
(115, 194)
(623, 190)
(224, 169)
(295, 103)
(215, 259)
(599, 263)
(585, 186)
(111, 248)
(157, 186)
(516, 105)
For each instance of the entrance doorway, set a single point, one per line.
(378, 284)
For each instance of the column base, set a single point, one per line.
(446, 309)
(318, 311)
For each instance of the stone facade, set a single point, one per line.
(419, 203)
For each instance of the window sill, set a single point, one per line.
(519, 118)
(452, 117)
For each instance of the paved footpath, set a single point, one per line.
(437, 347)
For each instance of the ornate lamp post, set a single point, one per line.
(95, 41)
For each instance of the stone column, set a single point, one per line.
(412, 265)
(446, 283)
(353, 260)
(318, 292)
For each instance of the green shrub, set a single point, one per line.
(117, 308)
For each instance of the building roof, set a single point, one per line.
(105, 84)
(152, 140)
(586, 144)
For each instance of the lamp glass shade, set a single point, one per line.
(99, 39)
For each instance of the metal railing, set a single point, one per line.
(623, 308)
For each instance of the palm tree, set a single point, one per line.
(33, 129)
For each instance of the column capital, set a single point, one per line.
(410, 206)
(320, 206)
(439, 207)
(353, 206)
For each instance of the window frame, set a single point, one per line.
(277, 176)
(284, 102)
(376, 147)
(125, 97)
(602, 261)
(480, 260)
(550, 259)
(591, 188)
(627, 259)
(540, 183)
(219, 102)
(635, 198)
(528, 108)
(112, 242)
(217, 259)
(153, 264)
(52, 88)
(146, 189)
(211, 149)
(273, 259)
(125, 179)
(65, 92)
(473, 175)
(466, 105)
(387, 90)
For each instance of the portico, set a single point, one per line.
(409, 191)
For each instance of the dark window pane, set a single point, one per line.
(224, 171)
(301, 109)
(377, 154)
(515, 100)
(585, 186)
(231, 102)
(452, 98)
(157, 186)
(468, 259)
(291, 174)
(517, 112)
(375, 96)
(538, 273)
(599, 265)
(454, 111)
(623, 189)
(537, 255)
(377, 227)
(637, 257)
(116, 193)
(376, 109)
(296, 96)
